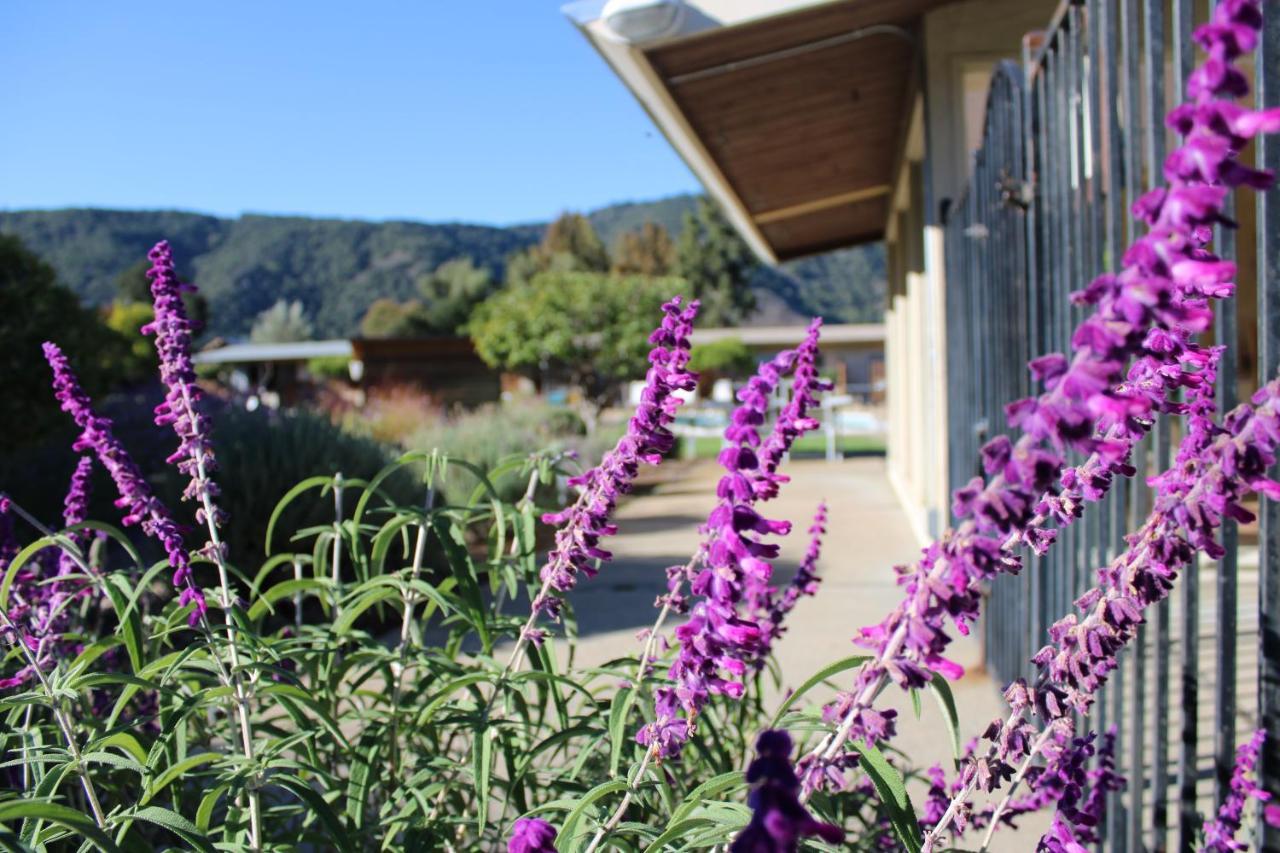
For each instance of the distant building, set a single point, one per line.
(852, 353)
(445, 369)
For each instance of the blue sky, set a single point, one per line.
(468, 110)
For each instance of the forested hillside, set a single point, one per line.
(337, 268)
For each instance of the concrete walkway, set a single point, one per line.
(867, 535)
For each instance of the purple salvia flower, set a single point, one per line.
(793, 421)
(173, 330)
(1133, 358)
(725, 632)
(532, 835)
(136, 499)
(778, 819)
(1214, 471)
(1220, 834)
(806, 579)
(75, 510)
(647, 439)
(37, 602)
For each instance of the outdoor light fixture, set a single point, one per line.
(640, 21)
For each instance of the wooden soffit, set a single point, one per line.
(803, 113)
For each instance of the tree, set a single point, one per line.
(282, 323)
(34, 308)
(134, 288)
(451, 293)
(648, 251)
(589, 329)
(137, 359)
(717, 264)
(570, 244)
(387, 318)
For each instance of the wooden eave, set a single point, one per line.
(801, 118)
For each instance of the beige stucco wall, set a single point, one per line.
(962, 43)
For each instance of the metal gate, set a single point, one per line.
(1073, 134)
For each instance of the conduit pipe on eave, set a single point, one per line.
(795, 50)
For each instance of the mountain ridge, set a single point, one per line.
(337, 266)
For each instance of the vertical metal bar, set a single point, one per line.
(1188, 818)
(1268, 147)
(1153, 36)
(1131, 836)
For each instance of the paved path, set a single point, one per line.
(868, 534)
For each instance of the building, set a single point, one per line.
(820, 124)
(996, 146)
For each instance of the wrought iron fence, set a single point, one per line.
(1073, 134)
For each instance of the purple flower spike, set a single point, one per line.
(647, 439)
(1133, 359)
(778, 819)
(806, 580)
(1220, 835)
(532, 835)
(729, 629)
(172, 330)
(75, 510)
(136, 499)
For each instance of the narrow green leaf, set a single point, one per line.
(320, 808)
(483, 756)
(175, 823)
(289, 497)
(816, 679)
(619, 712)
(175, 771)
(893, 793)
(947, 702)
(565, 842)
(76, 822)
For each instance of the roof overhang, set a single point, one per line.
(791, 113)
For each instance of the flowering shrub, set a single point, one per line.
(396, 678)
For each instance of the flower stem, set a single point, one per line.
(64, 722)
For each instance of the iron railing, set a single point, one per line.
(1073, 134)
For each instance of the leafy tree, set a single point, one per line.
(718, 266)
(284, 322)
(570, 244)
(451, 293)
(586, 328)
(134, 288)
(648, 251)
(725, 357)
(34, 308)
(136, 360)
(387, 318)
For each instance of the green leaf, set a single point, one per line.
(816, 679)
(320, 808)
(941, 691)
(483, 758)
(568, 830)
(120, 591)
(715, 787)
(619, 712)
(77, 822)
(676, 830)
(289, 497)
(17, 563)
(175, 771)
(893, 793)
(285, 589)
(208, 803)
(175, 823)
